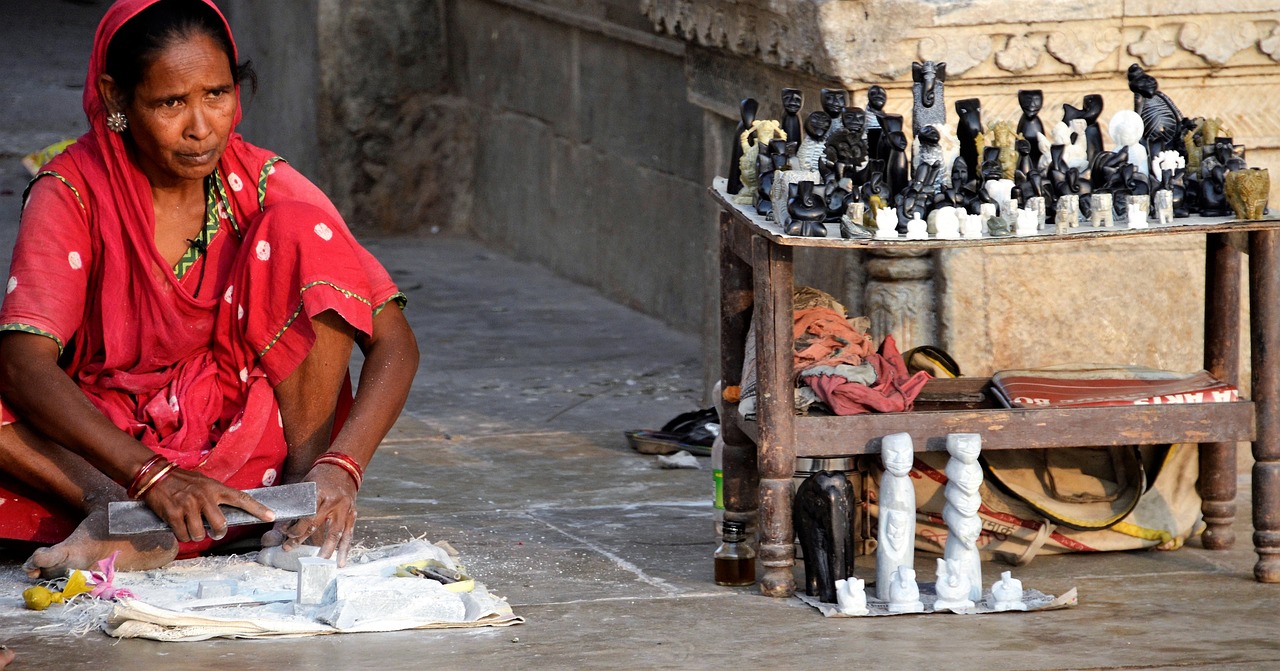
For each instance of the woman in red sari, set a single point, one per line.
(181, 312)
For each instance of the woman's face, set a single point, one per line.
(182, 111)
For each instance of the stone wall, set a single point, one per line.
(280, 39)
(590, 158)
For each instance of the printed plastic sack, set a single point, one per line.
(1064, 499)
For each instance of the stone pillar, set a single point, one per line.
(900, 297)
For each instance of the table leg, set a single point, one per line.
(776, 413)
(1217, 482)
(1264, 323)
(741, 476)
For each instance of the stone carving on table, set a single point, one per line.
(1026, 222)
(759, 133)
(1162, 204)
(1139, 208)
(896, 525)
(1000, 227)
(807, 211)
(886, 224)
(1000, 192)
(1067, 213)
(775, 165)
(904, 593)
(1126, 131)
(959, 190)
(927, 151)
(960, 512)
(821, 516)
(1029, 125)
(1100, 210)
(1247, 191)
(876, 99)
(914, 201)
(952, 587)
(969, 133)
(833, 103)
(971, 226)
(945, 221)
(1089, 113)
(792, 101)
(1006, 593)
(852, 225)
(851, 596)
(874, 187)
(992, 169)
(839, 195)
(1004, 137)
(1213, 177)
(1036, 204)
(747, 110)
(846, 149)
(1199, 141)
(893, 147)
(929, 106)
(813, 146)
(1163, 123)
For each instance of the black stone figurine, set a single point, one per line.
(968, 129)
(876, 99)
(1090, 112)
(792, 101)
(846, 149)
(747, 110)
(926, 87)
(1029, 126)
(1163, 124)
(991, 168)
(833, 103)
(807, 210)
(823, 523)
(894, 147)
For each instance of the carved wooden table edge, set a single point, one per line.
(756, 280)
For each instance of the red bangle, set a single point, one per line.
(155, 479)
(345, 462)
(134, 485)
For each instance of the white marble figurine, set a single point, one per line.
(1101, 210)
(1026, 223)
(886, 224)
(1006, 594)
(960, 512)
(1126, 130)
(896, 525)
(1001, 193)
(952, 587)
(904, 594)
(851, 596)
(971, 226)
(917, 228)
(1138, 210)
(946, 222)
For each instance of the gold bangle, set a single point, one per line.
(160, 475)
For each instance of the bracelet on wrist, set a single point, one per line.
(345, 462)
(156, 469)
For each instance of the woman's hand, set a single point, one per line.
(187, 501)
(334, 522)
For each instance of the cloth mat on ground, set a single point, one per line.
(365, 596)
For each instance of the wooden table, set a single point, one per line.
(756, 281)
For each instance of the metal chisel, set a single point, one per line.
(288, 502)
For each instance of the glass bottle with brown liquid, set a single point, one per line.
(735, 558)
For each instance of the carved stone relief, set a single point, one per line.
(830, 40)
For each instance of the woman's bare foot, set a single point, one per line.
(90, 543)
(6, 656)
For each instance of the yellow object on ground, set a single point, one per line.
(36, 160)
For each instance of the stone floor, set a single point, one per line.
(511, 448)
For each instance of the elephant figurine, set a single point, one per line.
(822, 516)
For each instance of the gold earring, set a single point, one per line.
(117, 122)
